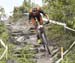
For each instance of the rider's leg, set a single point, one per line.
(40, 20)
(38, 35)
(33, 27)
(39, 39)
(34, 23)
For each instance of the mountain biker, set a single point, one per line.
(35, 13)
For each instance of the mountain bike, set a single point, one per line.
(41, 33)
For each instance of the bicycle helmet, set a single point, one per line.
(34, 9)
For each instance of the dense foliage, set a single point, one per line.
(2, 13)
(4, 36)
(3, 32)
(61, 10)
(19, 11)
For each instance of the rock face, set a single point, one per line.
(11, 61)
(19, 31)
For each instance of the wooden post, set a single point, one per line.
(62, 53)
(7, 53)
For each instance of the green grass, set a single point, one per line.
(62, 37)
(70, 57)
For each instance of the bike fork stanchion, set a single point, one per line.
(45, 43)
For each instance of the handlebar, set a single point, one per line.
(47, 22)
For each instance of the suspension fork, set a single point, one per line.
(44, 40)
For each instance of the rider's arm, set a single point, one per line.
(29, 17)
(41, 11)
(45, 15)
(47, 18)
(30, 14)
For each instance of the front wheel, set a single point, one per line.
(45, 42)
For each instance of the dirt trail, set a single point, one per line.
(41, 56)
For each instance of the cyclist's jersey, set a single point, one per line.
(35, 13)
